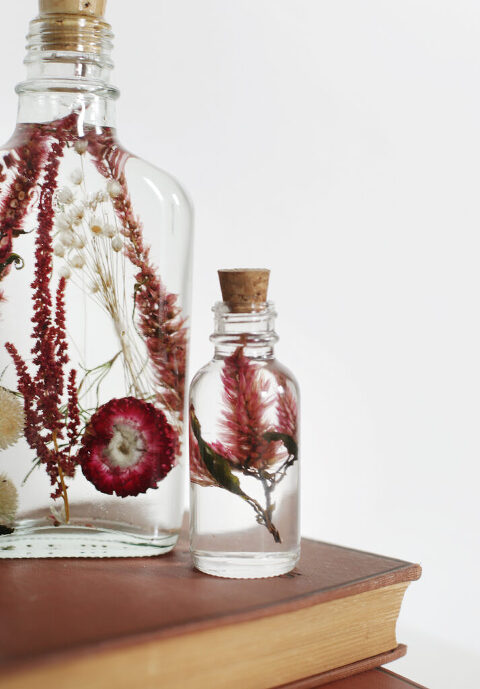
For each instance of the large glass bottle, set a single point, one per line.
(244, 467)
(95, 254)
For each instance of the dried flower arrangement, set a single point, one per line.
(249, 444)
(124, 446)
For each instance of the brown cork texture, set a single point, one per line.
(91, 7)
(244, 289)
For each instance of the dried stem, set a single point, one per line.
(62, 480)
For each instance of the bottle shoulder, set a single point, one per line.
(160, 181)
(271, 367)
(154, 180)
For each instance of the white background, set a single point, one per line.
(337, 143)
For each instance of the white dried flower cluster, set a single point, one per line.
(77, 176)
(109, 231)
(11, 419)
(59, 250)
(117, 243)
(81, 146)
(96, 226)
(114, 188)
(65, 195)
(8, 501)
(77, 261)
(84, 219)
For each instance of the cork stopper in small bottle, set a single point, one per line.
(244, 289)
(94, 8)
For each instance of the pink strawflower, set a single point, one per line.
(127, 447)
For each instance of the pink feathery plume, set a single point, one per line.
(43, 392)
(244, 418)
(287, 411)
(24, 165)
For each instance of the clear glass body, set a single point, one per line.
(95, 263)
(244, 457)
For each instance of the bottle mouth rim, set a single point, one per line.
(95, 88)
(256, 311)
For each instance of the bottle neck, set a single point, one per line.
(254, 331)
(68, 70)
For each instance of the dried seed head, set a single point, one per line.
(77, 214)
(77, 261)
(77, 176)
(65, 272)
(66, 238)
(65, 195)
(78, 242)
(109, 231)
(81, 146)
(117, 243)
(11, 419)
(91, 201)
(8, 500)
(101, 196)
(96, 226)
(114, 188)
(62, 223)
(59, 250)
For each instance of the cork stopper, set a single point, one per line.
(94, 8)
(244, 289)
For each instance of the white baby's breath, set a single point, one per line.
(77, 261)
(66, 238)
(62, 222)
(78, 242)
(81, 146)
(59, 250)
(117, 243)
(114, 188)
(64, 272)
(77, 176)
(77, 213)
(65, 195)
(96, 226)
(101, 196)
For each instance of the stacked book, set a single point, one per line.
(157, 623)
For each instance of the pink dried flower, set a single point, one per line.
(127, 447)
(287, 411)
(247, 401)
(43, 392)
(26, 160)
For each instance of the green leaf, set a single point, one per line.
(217, 465)
(13, 258)
(287, 440)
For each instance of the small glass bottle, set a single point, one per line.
(94, 323)
(244, 460)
